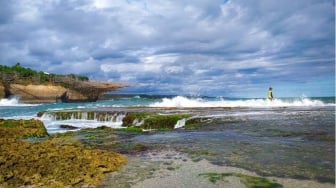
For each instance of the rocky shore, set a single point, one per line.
(96, 157)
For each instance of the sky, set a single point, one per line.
(228, 48)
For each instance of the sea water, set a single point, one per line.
(14, 109)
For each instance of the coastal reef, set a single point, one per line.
(38, 87)
(30, 157)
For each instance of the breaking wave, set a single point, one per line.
(13, 101)
(184, 102)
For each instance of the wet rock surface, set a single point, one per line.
(284, 145)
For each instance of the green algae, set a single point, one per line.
(132, 117)
(58, 161)
(152, 120)
(130, 129)
(111, 130)
(249, 181)
(200, 122)
(163, 122)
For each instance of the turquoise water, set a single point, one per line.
(13, 108)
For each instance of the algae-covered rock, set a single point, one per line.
(22, 128)
(134, 118)
(163, 122)
(194, 123)
(151, 120)
(59, 161)
(249, 181)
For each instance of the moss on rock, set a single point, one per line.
(58, 161)
(22, 128)
(132, 117)
(163, 122)
(193, 123)
(152, 120)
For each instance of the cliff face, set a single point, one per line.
(78, 92)
(2, 91)
(36, 93)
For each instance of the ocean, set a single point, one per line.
(14, 109)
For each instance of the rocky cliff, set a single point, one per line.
(80, 92)
(39, 87)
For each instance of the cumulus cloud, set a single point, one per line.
(201, 47)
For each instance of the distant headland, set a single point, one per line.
(42, 87)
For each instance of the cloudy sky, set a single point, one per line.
(230, 48)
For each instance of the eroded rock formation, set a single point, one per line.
(37, 87)
(85, 91)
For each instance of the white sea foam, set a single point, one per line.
(52, 124)
(20, 117)
(180, 123)
(13, 101)
(185, 102)
(9, 102)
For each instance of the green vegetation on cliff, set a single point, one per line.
(22, 75)
(56, 161)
